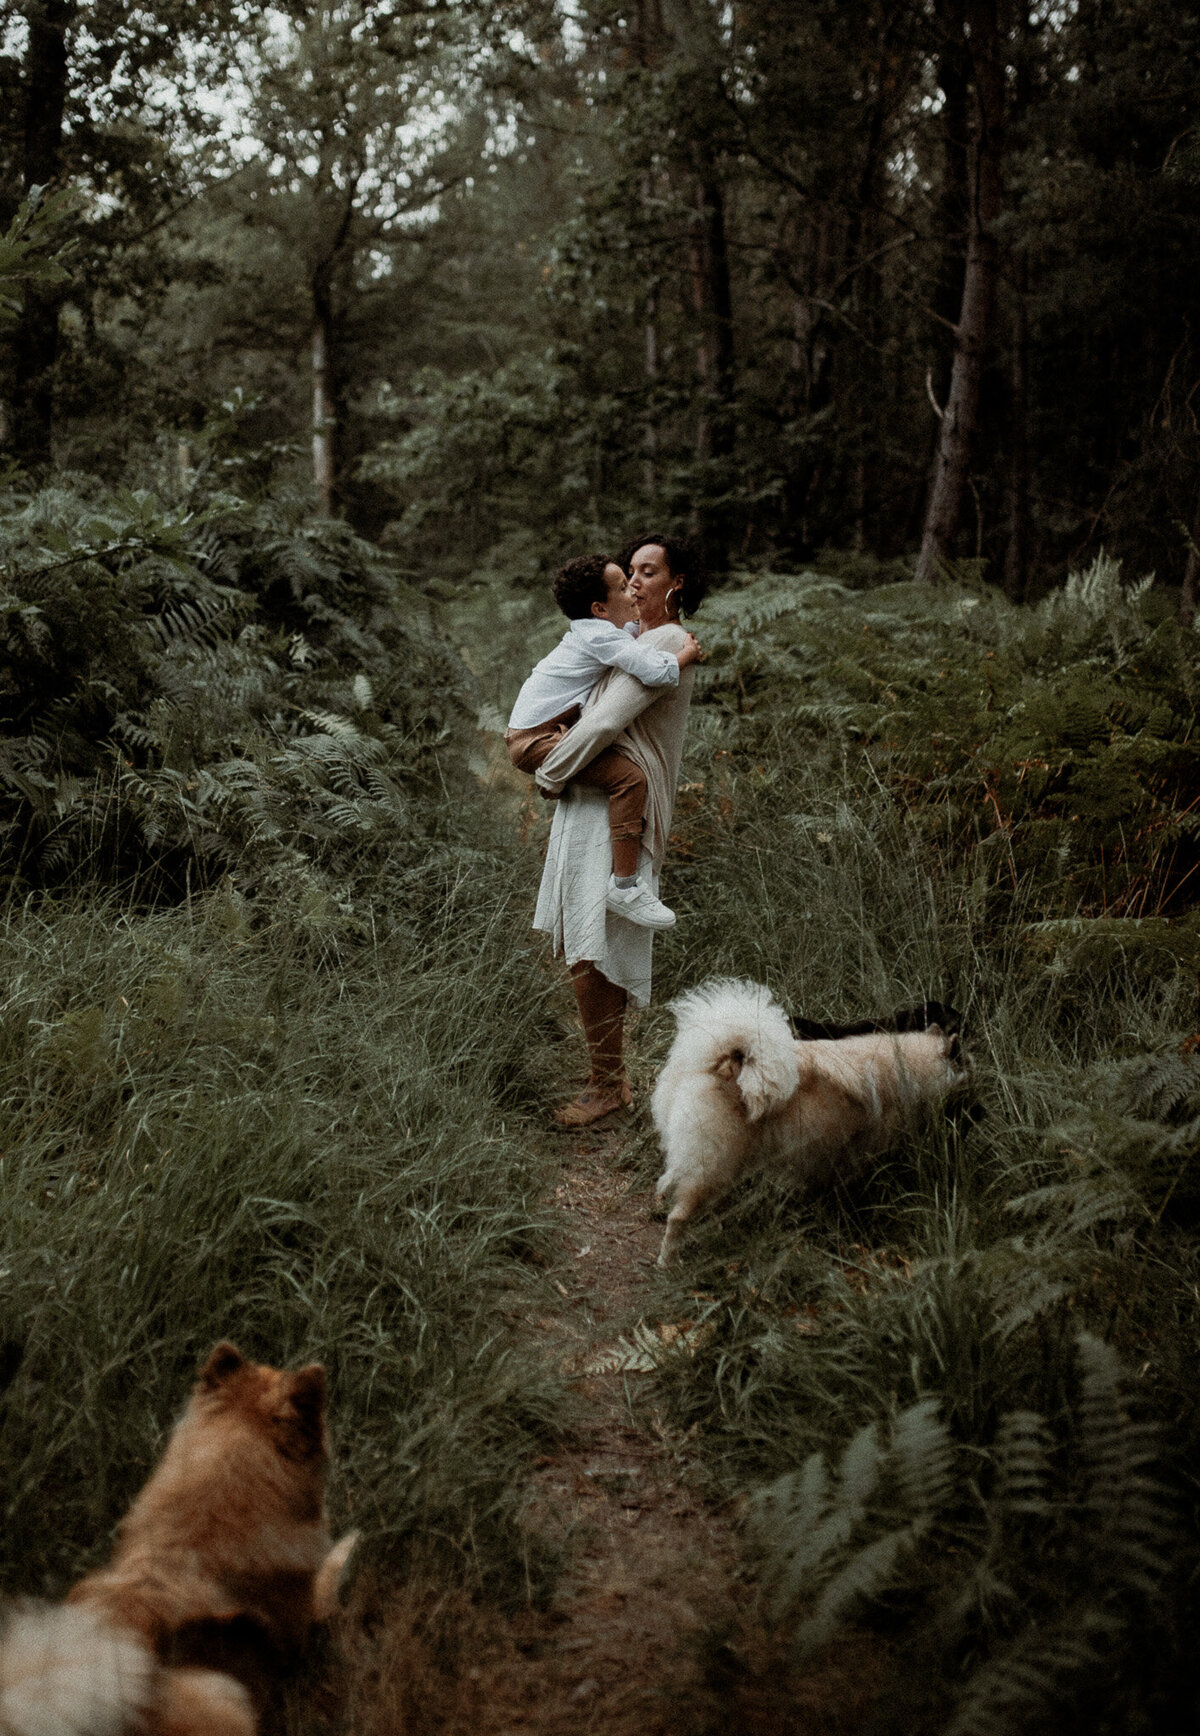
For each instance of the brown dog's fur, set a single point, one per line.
(224, 1558)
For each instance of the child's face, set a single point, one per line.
(618, 607)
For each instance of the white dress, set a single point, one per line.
(570, 907)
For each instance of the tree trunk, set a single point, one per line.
(1016, 553)
(719, 296)
(713, 300)
(954, 202)
(650, 438)
(958, 426)
(812, 354)
(703, 350)
(951, 224)
(35, 344)
(648, 32)
(1191, 574)
(1017, 550)
(650, 348)
(324, 400)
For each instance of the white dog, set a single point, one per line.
(738, 1091)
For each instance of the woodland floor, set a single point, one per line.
(651, 1627)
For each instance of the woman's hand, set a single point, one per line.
(691, 652)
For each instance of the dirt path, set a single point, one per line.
(635, 1636)
(651, 1629)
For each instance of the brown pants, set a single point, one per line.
(611, 771)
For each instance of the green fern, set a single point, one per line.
(1078, 1523)
(213, 687)
(821, 1517)
(1062, 736)
(1030, 1682)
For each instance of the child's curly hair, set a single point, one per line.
(580, 583)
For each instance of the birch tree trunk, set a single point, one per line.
(959, 421)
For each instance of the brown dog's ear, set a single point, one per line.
(224, 1361)
(306, 1397)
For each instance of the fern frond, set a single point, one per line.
(1022, 1451)
(922, 1459)
(866, 1575)
(1027, 1682)
(341, 728)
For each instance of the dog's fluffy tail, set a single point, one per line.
(330, 1574)
(68, 1672)
(737, 1030)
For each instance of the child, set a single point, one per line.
(592, 592)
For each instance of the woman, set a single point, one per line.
(608, 957)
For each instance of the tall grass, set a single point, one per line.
(227, 1122)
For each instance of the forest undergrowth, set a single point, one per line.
(274, 1042)
(960, 1397)
(269, 1001)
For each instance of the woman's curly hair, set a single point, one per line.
(684, 561)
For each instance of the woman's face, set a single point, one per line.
(653, 587)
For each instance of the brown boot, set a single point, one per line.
(594, 1103)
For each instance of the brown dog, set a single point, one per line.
(224, 1558)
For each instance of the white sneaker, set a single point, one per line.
(638, 904)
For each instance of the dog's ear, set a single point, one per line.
(953, 1047)
(934, 1031)
(223, 1362)
(305, 1407)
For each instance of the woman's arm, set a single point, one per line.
(619, 701)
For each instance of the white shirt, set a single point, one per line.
(567, 674)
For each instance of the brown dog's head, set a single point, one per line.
(286, 1405)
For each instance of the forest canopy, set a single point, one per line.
(913, 278)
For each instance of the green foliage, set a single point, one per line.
(1054, 738)
(194, 689)
(611, 265)
(27, 251)
(1043, 1626)
(487, 456)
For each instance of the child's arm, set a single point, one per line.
(623, 699)
(651, 664)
